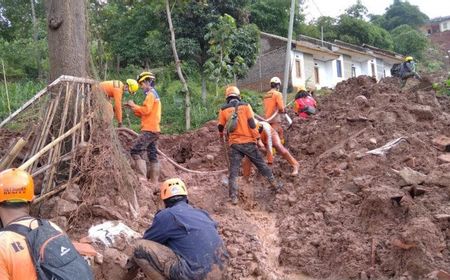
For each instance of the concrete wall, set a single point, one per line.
(347, 66)
(298, 56)
(380, 68)
(444, 26)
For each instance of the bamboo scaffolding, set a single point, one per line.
(12, 154)
(57, 148)
(45, 91)
(49, 146)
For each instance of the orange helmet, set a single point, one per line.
(16, 186)
(172, 187)
(232, 91)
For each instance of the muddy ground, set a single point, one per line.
(348, 215)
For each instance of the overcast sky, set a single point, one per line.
(432, 8)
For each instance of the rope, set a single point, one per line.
(129, 131)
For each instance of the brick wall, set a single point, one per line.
(270, 63)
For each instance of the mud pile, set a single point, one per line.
(349, 215)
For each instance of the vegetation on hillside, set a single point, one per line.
(217, 42)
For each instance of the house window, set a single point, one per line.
(353, 71)
(339, 68)
(444, 25)
(372, 67)
(316, 74)
(298, 68)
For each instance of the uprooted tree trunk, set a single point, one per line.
(75, 144)
(178, 66)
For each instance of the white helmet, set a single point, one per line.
(275, 80)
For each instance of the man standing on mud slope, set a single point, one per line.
(273, 102)
(238, 120)
(182, 242)
(150, 114)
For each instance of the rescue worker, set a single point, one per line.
(273, 102)
(269, 140)
(16, 193)
(150, 114)
(182, 242)
(408, 70)
(242, 140)
(115, 89)
(304, 105)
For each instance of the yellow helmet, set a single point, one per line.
(133, 86)
(144, 75)
(275, 80)
(16, 186)
(232, 91)
(172, 187)
(409, 58)
(300, 88)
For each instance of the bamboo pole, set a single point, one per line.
(50, 194)
(57, 148)
(6, 88)
(74, 136)
(63, 78)
(12, 154)
(49, 146)
(47, 166)
(83, 100)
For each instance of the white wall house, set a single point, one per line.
(444, 25)
(316, 62)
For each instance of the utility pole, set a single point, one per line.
(288, 52)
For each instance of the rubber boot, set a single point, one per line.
(295, 165)
(141, 167)
(153, 172)
(276, 185)
(233, 191)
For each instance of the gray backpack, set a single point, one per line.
(53, 254)
(232, 122)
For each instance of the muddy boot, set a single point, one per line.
(153, 172)
(276, 185)
(141, 168)
(233, 191)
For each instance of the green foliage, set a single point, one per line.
(408, 41)
(358, 10)
(19, 92)
(357, 31)
(220, 67)
(442, 88)
(18, 56)
(400, 13)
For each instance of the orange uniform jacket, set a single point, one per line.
(15, 259)
(150, 112)
(243, 132)
(273, 101)
(114, 89)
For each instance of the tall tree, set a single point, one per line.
(357, 10)
(400, 13)
(409, 41)
(67, 41)
(178, 67)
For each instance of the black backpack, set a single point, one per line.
(395, 70)
(53, 254)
